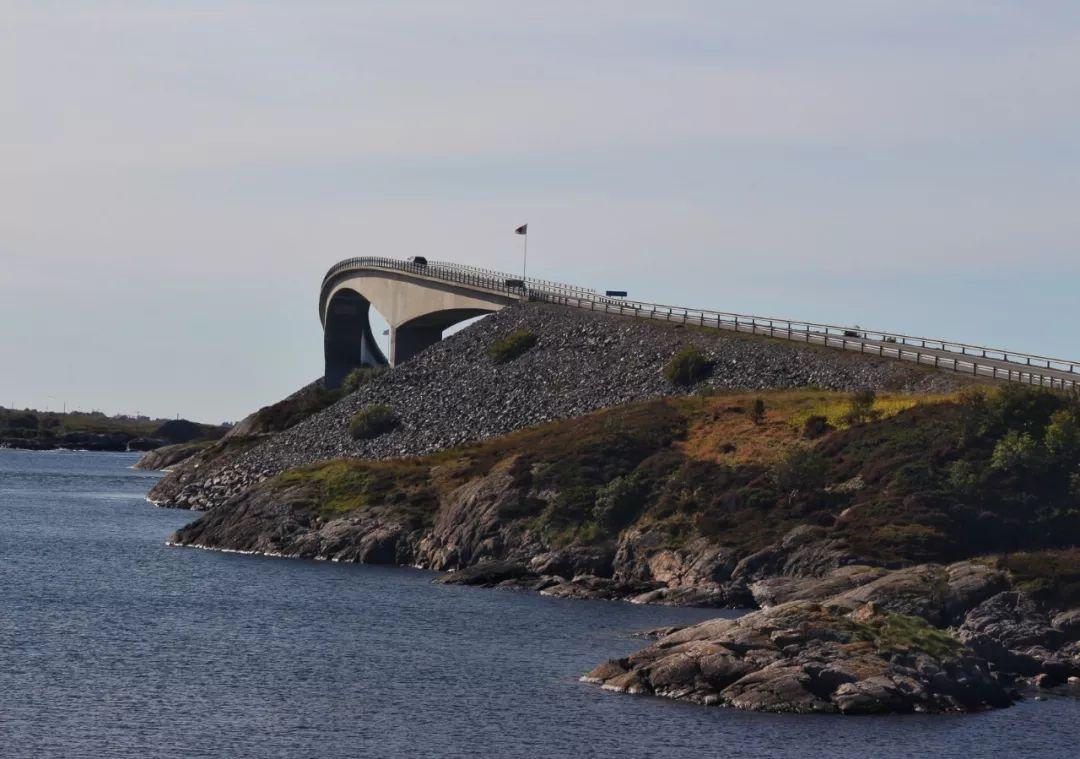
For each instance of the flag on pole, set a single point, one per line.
(522, 230)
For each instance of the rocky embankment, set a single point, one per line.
(454, 393)
(929, 638)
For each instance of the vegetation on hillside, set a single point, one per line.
(506, 349)
(294, 409)
(892, 634)
(904, 480)
(372, 421)
(688, 367)
(309, 401)
(360, 376)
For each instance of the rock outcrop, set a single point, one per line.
(807, 657)
(169, 455)
(880, 646)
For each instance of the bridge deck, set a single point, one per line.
(973, 360)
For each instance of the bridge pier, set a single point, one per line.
(407, 341)
(347, 338)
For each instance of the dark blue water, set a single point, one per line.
(113, 645)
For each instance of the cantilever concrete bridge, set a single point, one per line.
(421, 300)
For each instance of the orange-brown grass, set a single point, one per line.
(723, 431)
(721, 428)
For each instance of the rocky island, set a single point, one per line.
(908, 538)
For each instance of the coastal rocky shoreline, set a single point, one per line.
(895, 548)
(831, 634)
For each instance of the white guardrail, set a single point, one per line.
(964, 358)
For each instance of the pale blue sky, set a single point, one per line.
(178, 176)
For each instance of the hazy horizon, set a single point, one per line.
(179, 177)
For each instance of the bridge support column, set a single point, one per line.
(347, 339)
(407, 341)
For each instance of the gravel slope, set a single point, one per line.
(453, 393)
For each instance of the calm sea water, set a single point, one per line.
(113, 645)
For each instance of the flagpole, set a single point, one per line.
(525, 255)
(523, 230)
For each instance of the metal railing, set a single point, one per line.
(964, 358)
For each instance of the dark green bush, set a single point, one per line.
(1016, 451)
(510, 347)
(862, 407)
(757, 412)
(688, 367)
(359, 377)
(620, 501)
(372, 421)
(802, 470)
(295, 409)
(815, 426)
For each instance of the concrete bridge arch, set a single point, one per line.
(417, 306)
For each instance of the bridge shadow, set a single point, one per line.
(348, 341)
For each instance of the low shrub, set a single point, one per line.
(1051, 575)
(862, 407)
(508, 348)
(801, 470)
(1016, 451)
(688, 367)
(894, 634)
(757, 412)
(359, 377)
(619, 501)
(815, 426)
(372, 421)
(295, 409)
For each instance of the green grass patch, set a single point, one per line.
(506, 349)
(372, 421)
(902, 633)
(360, 376)
(402, 487)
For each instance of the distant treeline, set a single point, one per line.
(43, 430)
